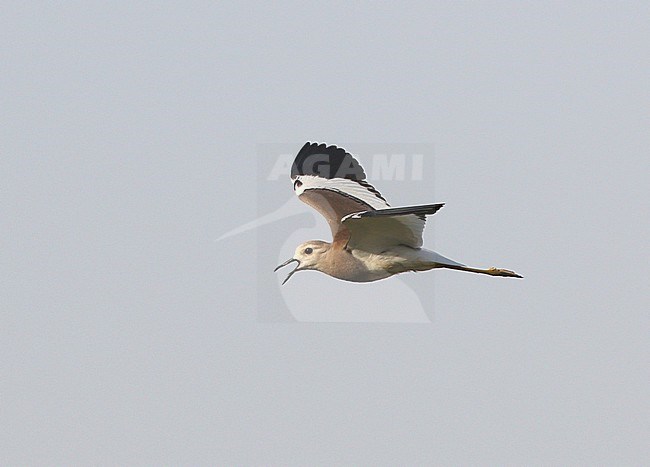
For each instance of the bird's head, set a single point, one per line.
(308, 255)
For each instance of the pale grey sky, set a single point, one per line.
(129, 142)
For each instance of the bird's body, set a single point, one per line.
(371, 240)
(355, 266)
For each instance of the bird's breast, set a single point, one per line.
(355, 266)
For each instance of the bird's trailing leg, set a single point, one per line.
(489, 272)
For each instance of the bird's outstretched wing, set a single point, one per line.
(333, 182)
(377, 230)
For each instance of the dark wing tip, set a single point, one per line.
(327, 162)
(421, 211)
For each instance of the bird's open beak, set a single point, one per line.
(286, 263)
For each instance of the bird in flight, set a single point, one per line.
(371, 240)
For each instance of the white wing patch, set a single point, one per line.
(361, 191)
(375, 234)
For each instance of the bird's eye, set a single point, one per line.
(309, 251)
(297, 184)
